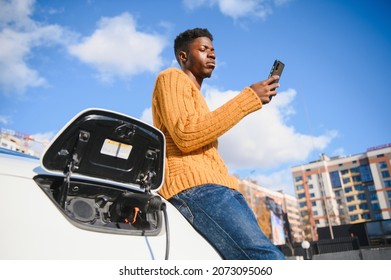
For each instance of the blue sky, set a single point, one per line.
(60, 57)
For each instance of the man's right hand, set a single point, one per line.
(266, 89)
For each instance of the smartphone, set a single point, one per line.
(277, 69)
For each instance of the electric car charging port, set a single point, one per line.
(104, 207)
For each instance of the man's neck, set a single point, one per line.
(197, 81)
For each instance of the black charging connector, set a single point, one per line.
(124, 206)
(132, 208)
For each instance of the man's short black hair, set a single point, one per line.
(182, 41)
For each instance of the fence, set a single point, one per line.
(324, 246)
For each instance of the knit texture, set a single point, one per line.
(191, 130)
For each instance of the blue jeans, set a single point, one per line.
(224, 218)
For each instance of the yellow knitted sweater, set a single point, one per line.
(191, 129)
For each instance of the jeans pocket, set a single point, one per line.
(182, 207)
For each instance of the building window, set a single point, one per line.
(313, 203)
(299, 187)
(343, 172)
(339, 202)
(373, 196)
(312, 195)
(357, 178)
(335, 179)
(387, 183)
(346, 180)
(375, 206)
(366, 174)
(371, 188)
(361, 196)
(378, 216)
(364, 206)
(354, 217)
(382, 164)
(303, 204)
(385, 174)
(299, 178)
(349, 198)
(310, 186)
(365, 216)
(348, 189)
(301, 195)
(355, 169)
(359, 187)
(352, 208)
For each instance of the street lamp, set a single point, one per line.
(306, 245)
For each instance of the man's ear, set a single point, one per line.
(182, 56)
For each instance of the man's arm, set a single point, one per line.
(192, 128)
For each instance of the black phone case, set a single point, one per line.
(277, 69)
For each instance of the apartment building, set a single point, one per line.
(277, 212)
(344, 190)
(14, 143)
(24, 143)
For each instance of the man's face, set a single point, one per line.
(200, 58)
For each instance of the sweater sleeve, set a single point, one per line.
(180, 105)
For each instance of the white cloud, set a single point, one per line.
(44, 136)
(4, 120)
(278, 180)
(117, 49)
(15, 11)
(338, 152)
(19, 34)
(146, 116)
(238, 8)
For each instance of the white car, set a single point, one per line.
(93, 195)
